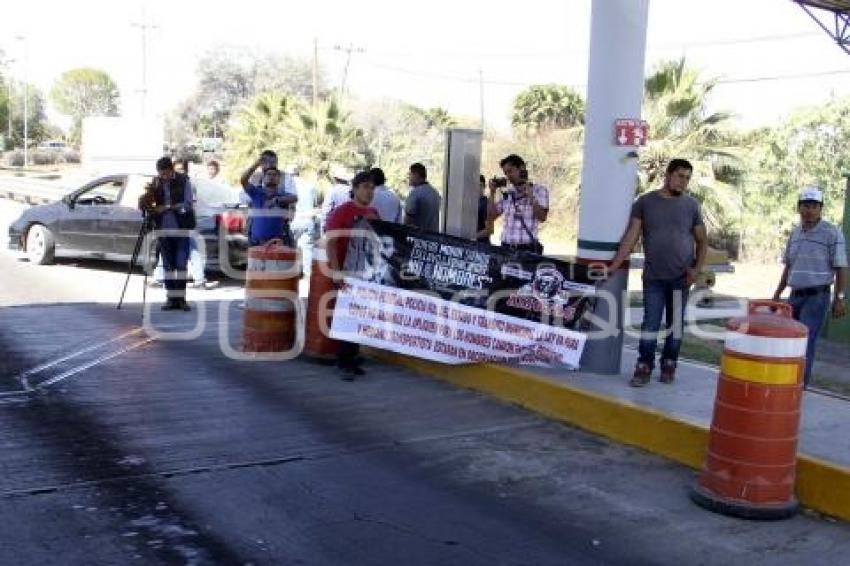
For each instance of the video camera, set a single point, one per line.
(499, 182)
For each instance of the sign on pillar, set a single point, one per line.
(630, 132)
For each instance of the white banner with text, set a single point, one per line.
(428, 327)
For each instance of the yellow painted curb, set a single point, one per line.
(821, 485)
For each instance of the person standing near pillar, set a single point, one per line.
(814, 258)
(674, 245)
(484, 228)
(423, 202)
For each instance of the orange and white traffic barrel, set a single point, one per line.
(271, 291)
(750, 467)
(318, 344)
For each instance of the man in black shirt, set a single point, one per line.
(485, 224)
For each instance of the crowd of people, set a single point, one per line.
(667, 220)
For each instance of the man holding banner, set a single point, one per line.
(338, 226)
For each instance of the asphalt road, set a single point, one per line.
(154, 451)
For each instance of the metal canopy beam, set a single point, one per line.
(822, 11)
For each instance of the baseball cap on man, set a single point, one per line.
(811, 193)
(341, 173)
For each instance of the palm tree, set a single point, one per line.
(547, 107)
(675, 107)
(321, 136)
(261, 123)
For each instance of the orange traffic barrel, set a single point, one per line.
(751, 463)
(318, 344)
(271, 289)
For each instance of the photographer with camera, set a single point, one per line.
(167, 200)
(525, 205)
(273, 222)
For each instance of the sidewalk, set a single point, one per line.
(671, 421)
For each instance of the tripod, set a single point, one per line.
(143, 231)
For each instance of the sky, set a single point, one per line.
(431, 54)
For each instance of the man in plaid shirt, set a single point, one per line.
(525, 206)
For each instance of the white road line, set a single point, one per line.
(23, 377)
(75, 370)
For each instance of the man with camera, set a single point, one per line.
(525, 205)
(167, 201)
(272, 222)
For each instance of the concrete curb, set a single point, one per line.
(821, 485)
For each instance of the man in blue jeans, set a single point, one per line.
(814, 257)
(674, 245)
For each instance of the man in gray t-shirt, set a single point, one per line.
(422, 206)
(674, 243)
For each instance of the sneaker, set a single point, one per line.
(170, 305)
(183, 305)
(668, 372)
(641, 376)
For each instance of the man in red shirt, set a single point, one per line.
(340, 220)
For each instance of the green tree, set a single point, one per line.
(321, 136)
(85, 92)
(398, 134)
(675, 106)
(228, 76)
(260, 123)
(37, 127)
(547, 107)
(812, 146)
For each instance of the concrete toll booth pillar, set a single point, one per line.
(614, 92)
(462, 168)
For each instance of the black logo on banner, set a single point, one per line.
(518, 284)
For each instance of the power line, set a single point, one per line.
(736, 41)
(550, 53)
(783, 77)
(473, 79)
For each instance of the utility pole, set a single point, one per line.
(481, 95)
(144, 26)
(7, 64)
(348, 50)
(315, 72)
(23, 41)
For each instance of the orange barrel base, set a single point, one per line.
(318, 346)
(743, 509)
(751, 462)
(271, 283)
(268, 331)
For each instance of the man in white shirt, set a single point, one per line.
(338, 194)
(385, 201)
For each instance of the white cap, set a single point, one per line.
(340, 172)
(811, 193)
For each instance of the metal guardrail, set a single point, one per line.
(31, 191)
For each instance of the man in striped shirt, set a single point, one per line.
(815, 256)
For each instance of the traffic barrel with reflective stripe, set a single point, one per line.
(271, 289)
(750, 467)
(317, 341)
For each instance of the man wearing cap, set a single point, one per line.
(814, 257)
